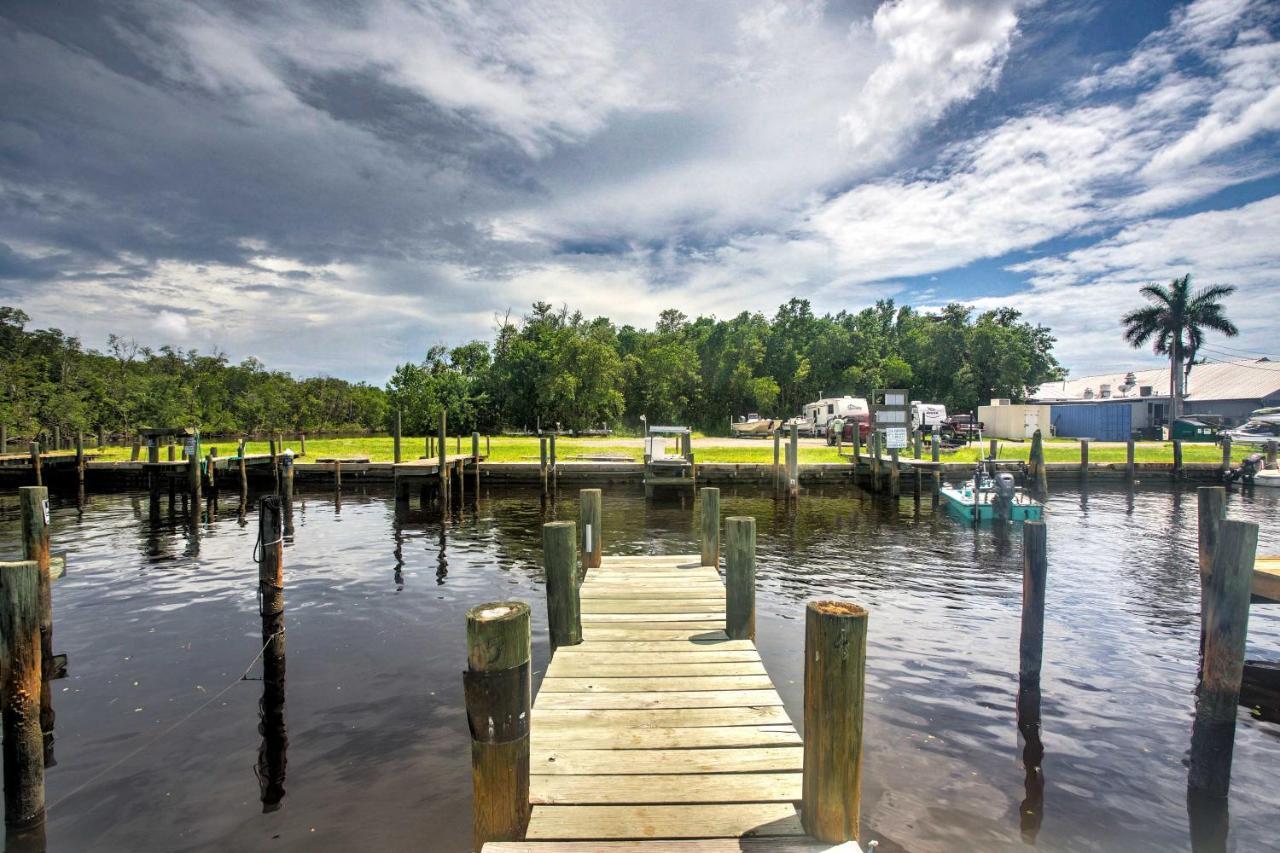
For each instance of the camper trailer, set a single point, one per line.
(925, 416)
(818, 415)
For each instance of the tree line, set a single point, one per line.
(549, 367)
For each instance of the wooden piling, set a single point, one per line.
(35, 463)
(560, 563)
(935, 453)
(80, 457)
(1212, 511)
(740, 577)
(1177, 459)
(589, 512)
(444, 458)
(137, 449)
(894, 473)
(337, 474)
(1271, 455)
(994, 449)
(193, 487)
(710, 525)
(395, 439)
(33, 509)
(244, 474)
(1035, 574)
(275, 461)
(555, 471)
(857, 442)
(173, 450)
(20, 689)
(1038, 471)
(302, 445)
(286, 493)
(475, 446)
(793, 478)
(498, 701)
(835, 649)
(488, 453)
(542, 461)
(1226, 453)
(1130, 468)
(777, 453)
(1227, 624)
(270, 556)
(1084, 458)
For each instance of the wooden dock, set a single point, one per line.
(658, 726)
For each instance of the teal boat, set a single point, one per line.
(986, 498)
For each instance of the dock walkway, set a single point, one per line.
(657, 726)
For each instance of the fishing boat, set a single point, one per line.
(987, 497)
(753, 426)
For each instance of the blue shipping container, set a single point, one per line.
(1103, 421)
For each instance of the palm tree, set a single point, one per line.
(1176, 320)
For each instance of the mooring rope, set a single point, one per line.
(244, 676)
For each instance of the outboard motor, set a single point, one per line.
(1002, 499)
(1252, 464)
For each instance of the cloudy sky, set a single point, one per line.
(333, 190)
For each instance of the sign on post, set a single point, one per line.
(895, 438)
(891, 409)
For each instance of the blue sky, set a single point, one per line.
(333, 190)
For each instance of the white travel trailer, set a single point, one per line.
(927, 415)
(818, 415)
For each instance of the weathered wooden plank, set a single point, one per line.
(627, 762)
(1266, 578)
(666, 788)
(715, 618)
(698, 737)
(673, 631)
(759, 715)
(673, 559)
(625, 667)
(658, 699)
(651, 605)
(649, 685)
(682, 653)
(668, 821)
(700, 845)
(651, 592)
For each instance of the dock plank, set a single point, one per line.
(695, 820)
(698, 737)
(595, 762)
(748, 715)
(577, 667)
(670, 788)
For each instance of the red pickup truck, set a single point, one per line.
(963, 426)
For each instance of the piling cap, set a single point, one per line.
(845, 609)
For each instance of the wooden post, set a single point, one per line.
(429, 445)
(4, 438)
(286, 492)
(33, 508)
(444, 457)
(793, 484)
(835, 651)
(193, 487)
(1040, 473)
(589, 512)
(1035, 573)
(994, 449)
(560, 563)
(1177, 459)
(457, 440)
(542, 461)
(777, 453)
(20, 691)
(244, 474)
(137, 449)
(395, 439)
(1084, 458)
(337, 474)
(710, 526)
(488, 453)
(1226, 453)
(497, 690)
(475, 446)
(275, 461)
(1212, 511)
(857, 442)
(270, 556)
(740, 577)
(80, 457)
(173, 449)
(1271, 455)
(935, 454)
(302, 446)
(1227, 613)
(555, 471)
(894, 474)
(35, 462)
(1129, 454)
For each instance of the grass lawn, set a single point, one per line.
(525, 449)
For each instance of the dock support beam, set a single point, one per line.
(286, 492)
(497, 690)
(1084, 458)
(20, 685)
(542, 461)
(835, 652)
(444, 461)
(560, 563)
(589, 511)
(1129, 468)
(710, 526)
(740, 577)
(1227, 611)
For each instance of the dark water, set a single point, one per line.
(158, 743)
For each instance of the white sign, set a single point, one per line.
(895, 438)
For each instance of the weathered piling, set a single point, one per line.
(271, 763)
(1039, 473)
(777, 453)
(173, 449)
(935, 454)
(542, 461)
(857, 442)
(873, 453)
(193, 487)
(20, 690)
(337, 474)
(302, 445)
(1129, 467)
(270, 556)
(1227, 623)
(740, 577)
(835, 649)
(555, 470)
(244, 474)
(275, 461)
(710, 525)
(560, 563)
(286, 492)
(993, 451)
(137, 449)
(1084, 458)
(589, 512)
(498, 699)
(35, 463)
(475, 460)
(395, 439)
(1177, 459)
(487, 451)
(1271, 455)
(80, 457)
(794, 474)
(33, 509)
(444, 459)
(1226, 453)
(1212, 511)
(894, 473)
(1035, 573)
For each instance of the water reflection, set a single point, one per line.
(272, 762)
(1031, 810)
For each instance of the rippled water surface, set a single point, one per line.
(158, 742)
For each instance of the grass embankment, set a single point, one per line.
(525, 449)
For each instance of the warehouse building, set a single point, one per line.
(1111, 407)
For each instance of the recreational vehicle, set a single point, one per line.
(819, 414)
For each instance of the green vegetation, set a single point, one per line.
(1176, 321)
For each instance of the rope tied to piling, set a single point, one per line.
(259, 544)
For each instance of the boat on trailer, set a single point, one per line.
(990, 496)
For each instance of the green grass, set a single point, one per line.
(525, 449)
